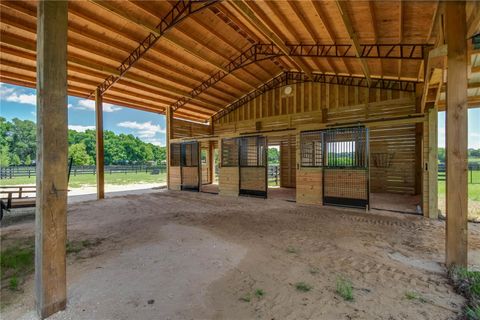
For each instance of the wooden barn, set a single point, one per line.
(348, 91)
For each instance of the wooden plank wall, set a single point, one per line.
(314, 103)
(228, 184)
(253, 178)
(398, 176)
(175, 178)
(309, 186)
(187, 129)
(190, 176)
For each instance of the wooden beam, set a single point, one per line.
(456, 135)
(243, 8)
(432, 164)
(52, 153)
(342, 7)
(168, 115)
(400, 35)
(100, 154)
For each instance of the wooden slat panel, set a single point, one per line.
(228, 181)
(309, 186)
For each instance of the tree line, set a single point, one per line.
(18, 146)
(472, 154)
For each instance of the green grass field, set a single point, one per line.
(90, 179)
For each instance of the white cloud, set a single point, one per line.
(80, 128)
(144, 130)
(90, 105)
(156, 142)
(14, 95)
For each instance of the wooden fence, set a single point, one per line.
(29, 171)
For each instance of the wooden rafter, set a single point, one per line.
(248, 13)
(400, 33)
(342, 7)
(180, 11)
(328, 28)
(373, 17)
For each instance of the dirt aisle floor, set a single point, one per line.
(182, 255)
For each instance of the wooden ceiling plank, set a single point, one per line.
(172, 39)
(311, 31)
(243, 8)
(347, 22)
(373, 17)
(401, 10)
(328, 28)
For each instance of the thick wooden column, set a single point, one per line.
(52, 150)
(168, 115)
(456, 134)
(100, 154)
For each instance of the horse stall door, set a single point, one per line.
(253, 166)
(190, 166)
(345, 167)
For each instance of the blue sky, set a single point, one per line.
(20, 102)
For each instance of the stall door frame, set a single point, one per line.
(241, 164)
(183, 164)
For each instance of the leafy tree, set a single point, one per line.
(15, 160)
(273, 156)
(17, 143)
(78, 152)
(28, 160)
(4, 157)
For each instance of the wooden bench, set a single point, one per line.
(16, 197)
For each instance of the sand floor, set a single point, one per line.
(187, 255)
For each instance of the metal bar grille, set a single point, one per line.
(311, 151)
(345, 148)
(175, 154)
(189, 154)
(252, 152)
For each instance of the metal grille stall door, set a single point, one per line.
(253, 166)
(342, 155)
(190, 166)
(345, 167)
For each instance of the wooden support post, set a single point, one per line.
(418, 143)
(168, 115)
(432, 164)
(100, 150)
(52, 154)
(456, 134)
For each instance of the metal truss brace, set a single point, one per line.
(259, 52)
(181, 10)
(255, 53)
(292, 77)
(372, 51)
